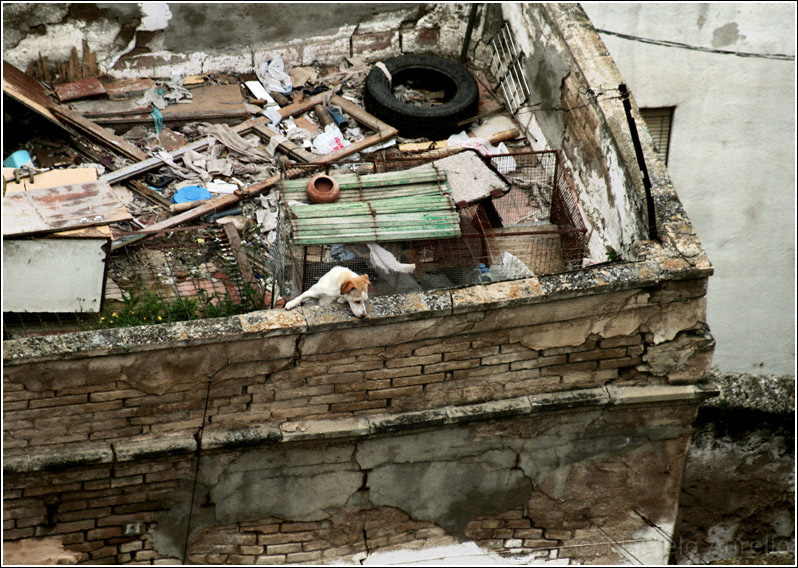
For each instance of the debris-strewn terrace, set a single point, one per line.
(205, 175)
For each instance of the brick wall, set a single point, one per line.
(594, 481)
(433, 359)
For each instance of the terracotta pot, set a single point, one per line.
(323, 189)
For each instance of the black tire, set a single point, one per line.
(431, 72)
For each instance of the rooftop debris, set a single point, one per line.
(251, 141)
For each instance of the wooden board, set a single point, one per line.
(60, 208)
(52, 178)
(212, 103)
(28, 92)
(82, 89)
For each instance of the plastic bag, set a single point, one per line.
(273, 77)
(329, 141)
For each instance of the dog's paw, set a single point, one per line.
(291, 305)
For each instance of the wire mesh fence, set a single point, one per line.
(181, 274)
(531, 227)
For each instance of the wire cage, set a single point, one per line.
(531, 227)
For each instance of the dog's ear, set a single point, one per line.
(365, 279)
(347, 286)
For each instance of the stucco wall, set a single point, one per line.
(732, 156)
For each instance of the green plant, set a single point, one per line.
(149, 308)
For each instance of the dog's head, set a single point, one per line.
(355, 291)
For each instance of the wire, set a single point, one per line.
(618, 544)
(667, 43)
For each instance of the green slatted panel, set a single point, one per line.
(393, 206)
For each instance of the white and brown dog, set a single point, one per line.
(339, 284)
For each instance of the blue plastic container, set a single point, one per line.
(18, 159)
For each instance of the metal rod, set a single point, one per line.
(472, 16)
(641, 162)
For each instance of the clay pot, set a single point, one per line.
(323, 189)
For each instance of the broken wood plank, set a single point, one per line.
(99, 133)
(156, 162)
(383, 130)
(59, 208)
(52, 178)
(28, 92)
(82, 89)
(234, 238)
(286, 145)
(124, 88)
(211, 103)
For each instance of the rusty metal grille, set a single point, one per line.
(533, 228)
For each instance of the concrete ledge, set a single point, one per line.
(773, 394)
(215, 438)
(382, 310)
(151, 447)
(58, 457)
(348, 428)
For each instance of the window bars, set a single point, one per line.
(507, 66)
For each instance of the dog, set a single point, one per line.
(339, 284)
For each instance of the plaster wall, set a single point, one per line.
(544, 480)
(732, 156)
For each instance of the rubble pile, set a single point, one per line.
(201, 155)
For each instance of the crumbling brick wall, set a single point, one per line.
(427, 359)
(546, 482)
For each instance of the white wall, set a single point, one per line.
(732, 156)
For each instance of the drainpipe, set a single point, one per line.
(641, 162)
(471, 19)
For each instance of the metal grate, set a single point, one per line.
(533, 228)
(507, 66)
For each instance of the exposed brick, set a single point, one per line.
(395, 392)
(304, 556)
(418, 380)
(484, 352)
(103, 533)
(394, 373)
(271, 559)
(621, 341)
(413, 361)
(83, 514)
(356, 406)
(450, 366)
(617, 363)
(114, 395)
(597, 354)
(284, 548)
(363, 386)
(568, 368)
